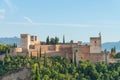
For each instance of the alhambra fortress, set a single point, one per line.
(30, 45)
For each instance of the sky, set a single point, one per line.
(76, 19)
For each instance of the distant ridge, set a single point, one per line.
(109, 45)
(106, 45)
(10, 40)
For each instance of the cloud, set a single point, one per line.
(61, 24)
(10, 5)
(28, 19)
(38, 24)
(49, 24)
(2, 17)
(2, 11)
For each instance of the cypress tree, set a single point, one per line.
(37, 55)
(7, 57)
(47, 41)
(37, 74)
(45, 60)
(31, 54)
(75, 57)
(63, 39)
(40, 52)
(114, 49)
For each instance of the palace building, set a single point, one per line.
(30, 45)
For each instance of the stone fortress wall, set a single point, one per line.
(31, 45)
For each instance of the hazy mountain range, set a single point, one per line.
(109, 45)
(10, 40)
(106, 45)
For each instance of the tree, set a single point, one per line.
(14, 45)
(1, 48)
(56, 40)
(47, 41)
(117, 55)
(52, 41)
(31, 55)
(46, 77)
(7, 57)
(35, 71)
(83, 79)
(71, 41)
(40, 52)
(114, 49)
(63, 39)
(45, 60)
(113, 52)
(4, 48)
(75, 57)
(37, 55)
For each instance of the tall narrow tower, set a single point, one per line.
(95, 44)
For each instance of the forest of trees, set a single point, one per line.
(4, 48)
(59, 68)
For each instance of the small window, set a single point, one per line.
(31, 47)
(35, 38)
(95, 42)
(32, 38)
(81, 57)
(76, 50)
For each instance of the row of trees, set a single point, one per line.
(55, 40)
(4, 48)
(52, 40)
(113, 52)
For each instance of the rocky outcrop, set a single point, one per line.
(22, 74)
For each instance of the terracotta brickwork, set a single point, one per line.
(84, 50)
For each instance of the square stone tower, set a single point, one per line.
(95, 44)
(28, 42)
(25, 42)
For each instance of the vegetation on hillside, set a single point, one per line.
(59, 68)
(6, 48)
